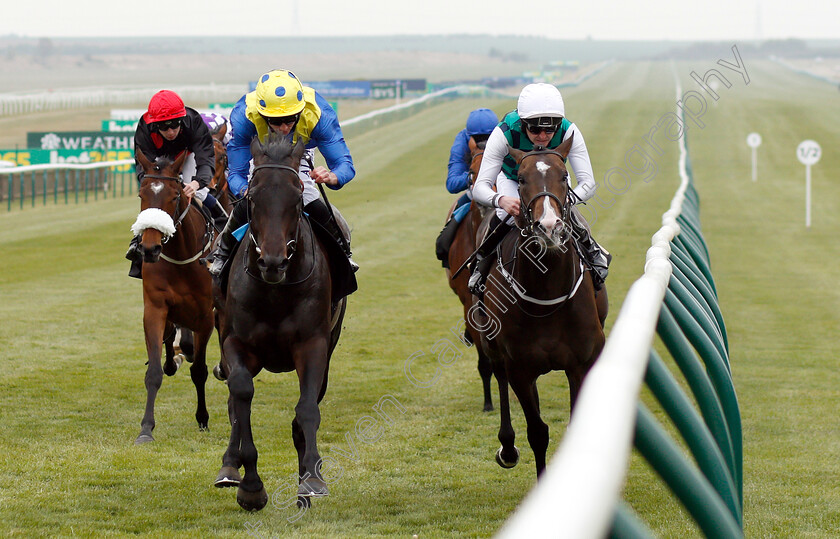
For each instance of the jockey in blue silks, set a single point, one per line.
(280, 103)
(480, 123)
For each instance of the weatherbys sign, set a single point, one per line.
(80, 140)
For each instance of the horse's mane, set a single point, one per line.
(277, 147)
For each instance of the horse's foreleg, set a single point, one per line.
(508, 455)
(198, 371)
(229, 474)
(251, 494)
(154, 322)
(311, 362)
(525, 388)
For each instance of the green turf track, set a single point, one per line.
(72, 354)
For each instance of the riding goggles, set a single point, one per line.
(168, 124)
(282, 120)
(535, 126)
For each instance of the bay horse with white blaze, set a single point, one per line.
(540, 301)
(177, 288)
(277, 313)
(462, 247)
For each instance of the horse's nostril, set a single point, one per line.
(284, 265)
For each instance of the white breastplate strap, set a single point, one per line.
(521, 291)
(189, 260)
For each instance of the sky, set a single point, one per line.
(556, 19)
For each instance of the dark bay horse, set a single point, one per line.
(177, 288)
(462, 247)
(542, 311)
(276, 314)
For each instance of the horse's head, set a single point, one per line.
(161, 202)
(219, 180)
(275, 201)
(476, 153)
(544, 191)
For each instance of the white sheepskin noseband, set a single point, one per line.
(154, 218)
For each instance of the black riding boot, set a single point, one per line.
(136, 258)
(227, 241)
(220, 218)
(444, 241)
(484, 257)
(596, 257)
(317, 209)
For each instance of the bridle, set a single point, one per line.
(207, 233)
(180, 218)
(565, 205)
(529, 231)
(291, 245)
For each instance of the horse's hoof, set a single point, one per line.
(203, 428)
(228, 477)
(312, 488)
(251, 501)
(144, 438)
(304, 502)
(169, 369)
(488, 406)
(505, 463)
(217, 372)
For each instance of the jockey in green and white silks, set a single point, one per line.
(539, 119)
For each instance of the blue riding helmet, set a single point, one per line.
(481, 122)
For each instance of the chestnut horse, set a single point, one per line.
(541, 308)
(462, 247)
(277, 313)
(218, 184)
(177, 288)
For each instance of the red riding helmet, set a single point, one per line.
(164, 105)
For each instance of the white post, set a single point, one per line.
(808, 152)
(808, 196)
(754, 141)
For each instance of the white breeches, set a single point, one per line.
(187, 173)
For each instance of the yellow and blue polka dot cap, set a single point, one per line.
(279, 93)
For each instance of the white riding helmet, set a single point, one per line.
(540, 100)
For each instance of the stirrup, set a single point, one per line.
(476, 283)
(217, 266)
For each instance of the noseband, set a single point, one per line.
(291, 245)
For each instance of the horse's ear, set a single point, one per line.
(142, 159)
(566, 146)
(516, 154)
(179, 162)
(256, 145)
(220, 134)
(472, 145)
